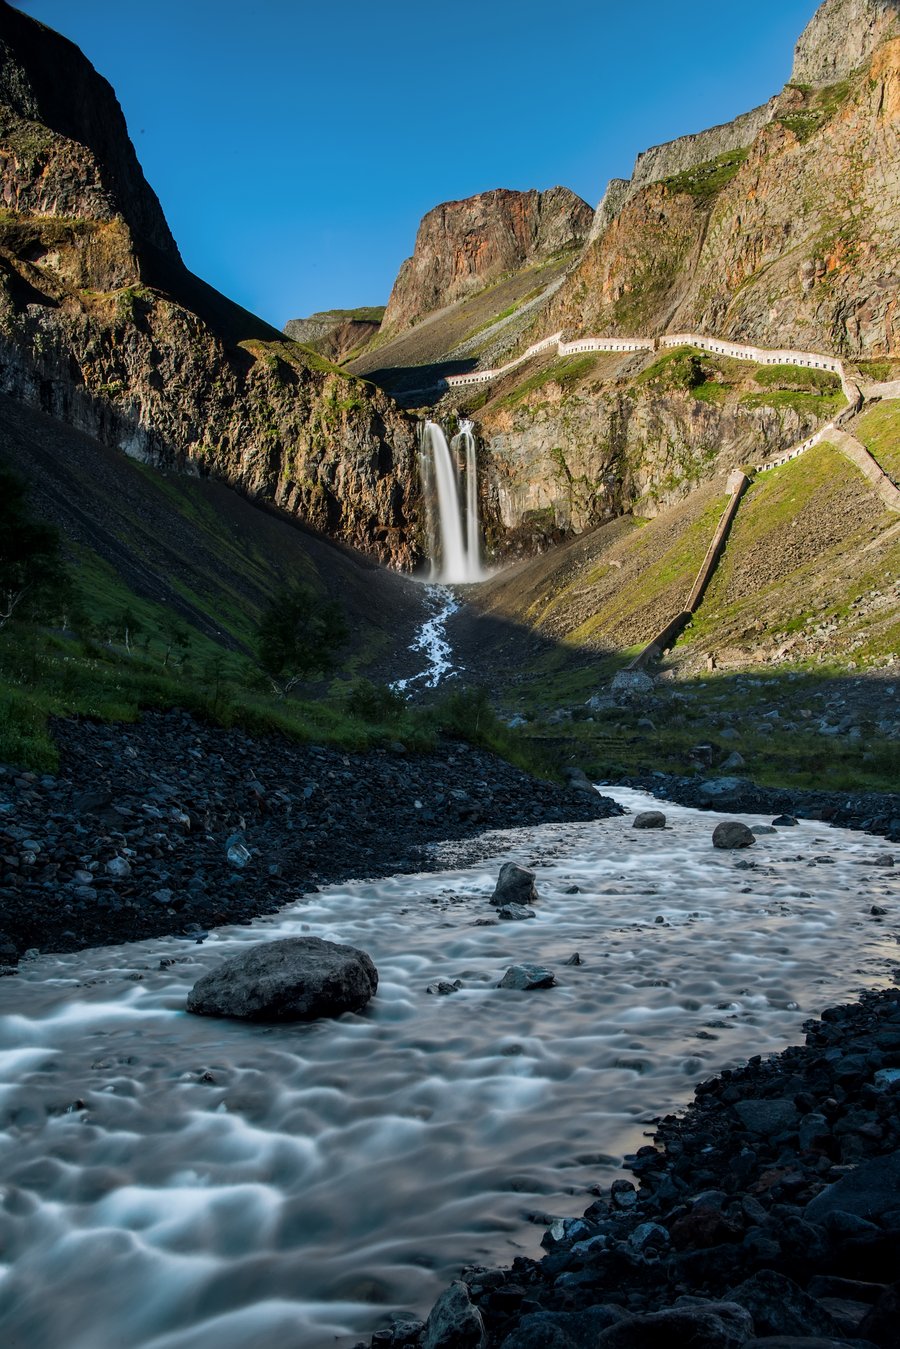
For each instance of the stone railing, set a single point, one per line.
(719, 346)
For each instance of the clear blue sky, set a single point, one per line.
(295, 144)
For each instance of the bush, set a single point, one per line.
(300, 634)
(375, 703)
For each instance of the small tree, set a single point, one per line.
(33, 580)
(299, 635)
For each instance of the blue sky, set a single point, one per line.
(295, 144)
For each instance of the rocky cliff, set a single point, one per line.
(841, 35)
(102, 325)
(792, 239)
(462, 246)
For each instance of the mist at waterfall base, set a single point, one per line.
(176, 1182)
(450, 489)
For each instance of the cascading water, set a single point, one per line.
(454, 551)
(466, 440)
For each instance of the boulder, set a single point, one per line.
(526, 977)
(767, 1117)
(515, 885)
(713, 1325)
(562, 1330)
(578, 781)
(732, 834)
(294, 979)
(727, 786)
(515, 913)
(758, 830)
(649, 819)
(631, 684)
(454, 1323)
(781, 1307)
(869, 1190)
(784, 821)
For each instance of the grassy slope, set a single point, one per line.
(879, 431)
(192, 564)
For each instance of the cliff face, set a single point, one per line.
(461, 246)
(336, 333)
(102, 326)
(841, 35)
(793, 239)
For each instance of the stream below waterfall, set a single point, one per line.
(173, 1182)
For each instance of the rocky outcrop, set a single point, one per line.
(794, 241)
(336, 333)
(102, 326)
(679, 156)
(841, 35)
(461, 246)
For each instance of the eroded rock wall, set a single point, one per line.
(461, 246)
(841, 35)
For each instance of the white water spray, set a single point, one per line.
(455, 552)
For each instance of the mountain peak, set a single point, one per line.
(839, 37)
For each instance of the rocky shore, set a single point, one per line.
(873, 812)
(168, 826)
(767, 1216)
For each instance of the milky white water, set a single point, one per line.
(432, 641)
(172, 1182)
(454, 550)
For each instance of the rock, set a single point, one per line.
(526, 977)
(294, 979)
(238, 855)
(733, 761)
(453, 1322)
(884, 859)
(649, 819)
(715, 787)
(515, 913)
(867, 1192)
(759, 830)
(574, 959)
(118, 867)
(781, 1307)
(562, 1330)
(767, 1117)
(714, 1325)
(877, 911)
(732, 834)
(515, 885)
(578, 781)
(444, 987)
(784, 821)
(631, 683)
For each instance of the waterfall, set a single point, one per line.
(455, 551)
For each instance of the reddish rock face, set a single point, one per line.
(463, 245)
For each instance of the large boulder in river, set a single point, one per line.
(732, 834)
(515, 885)
(294, 979)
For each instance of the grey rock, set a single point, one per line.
(867, 1192)
(727, 786)
(562, 1330)
(758, 830)
(526, 977)
(515, 913)
(884, 859)
(577, 780)
(294, 979)
(767, 1117)
(733, 761)
(444, 987)
(715, 1325)
(453, 1322)
(515, 885)
(119, 867)
(784, 821)
(781, 1307)
(649, 819)
(631, 683)
(648, 1236)
(732, 834)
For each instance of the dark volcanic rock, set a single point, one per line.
(526, 977)
(515, 885)
(295, 979)
(732, 834)
(454, 1323)
(716, 1326)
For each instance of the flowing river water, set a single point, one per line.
(172, 1182)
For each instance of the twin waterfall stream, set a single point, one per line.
(454, 532)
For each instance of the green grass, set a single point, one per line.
(882, 371)
(372, 313)
(566, 372)
(879, 431)
(797, 378)
(823, 406)
(708, 179)
(820, 106)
